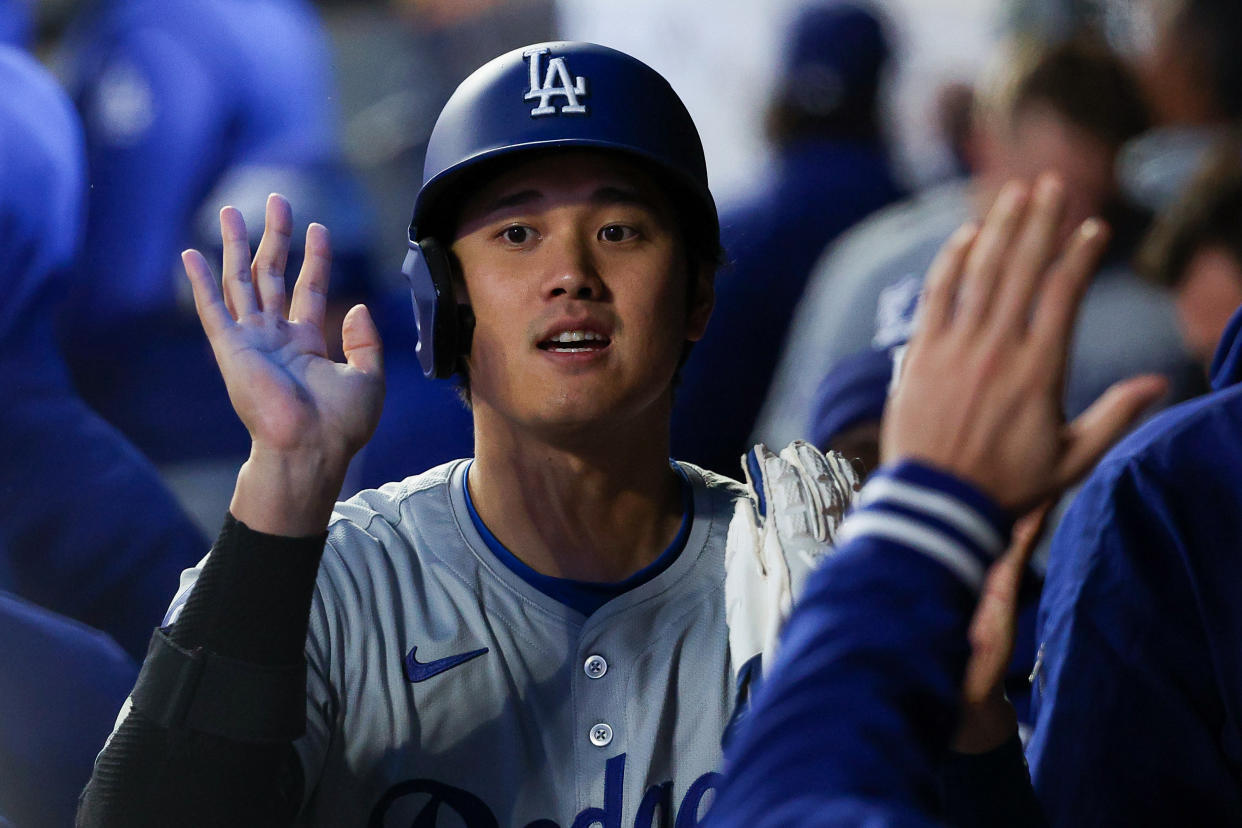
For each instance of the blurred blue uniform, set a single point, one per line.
(189, 105)
(851, 725)
(87, 529)
(832, 170)
(1139, 691)
(15, 23)
(60, 691)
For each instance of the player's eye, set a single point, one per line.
(518, 234)
(617, 233)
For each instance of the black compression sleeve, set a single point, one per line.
(251, 605)
(252, 599)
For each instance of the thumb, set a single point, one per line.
(360, 341)
(1090, 435)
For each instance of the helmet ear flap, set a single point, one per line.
(444, 326)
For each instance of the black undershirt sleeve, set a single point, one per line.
(182, 761)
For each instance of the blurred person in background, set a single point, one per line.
(1186, 56)
(831, 170)
(1065, 108)
(189, 104)
(87, 529)
(1195, 250)
(1138, 685)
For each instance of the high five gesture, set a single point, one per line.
(307, 415)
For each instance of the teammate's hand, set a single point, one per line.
(307, 415)
(981, 385)
(987, 718)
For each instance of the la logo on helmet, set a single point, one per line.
(570, 88)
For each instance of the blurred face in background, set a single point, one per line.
(1039, 139)
(1208, 293)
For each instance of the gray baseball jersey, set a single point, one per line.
(443, 689)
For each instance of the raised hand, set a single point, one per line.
(307, 415)
(981, 384)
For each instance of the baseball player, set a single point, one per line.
(541, 634)
(1138, 679)
(1138, 625)
(849, 724)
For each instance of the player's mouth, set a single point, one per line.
(575, 341)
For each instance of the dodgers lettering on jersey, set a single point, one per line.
(443, 689)
(425, 801)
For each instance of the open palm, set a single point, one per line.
(289, 394)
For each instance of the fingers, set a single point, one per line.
(268, 268)
(1026, 534)
(239, 295)
(1089, 436)
(1032, 252)
(361, 342)
(990, 251)
(1065, 286)
(310, 293)
(212, 311)
(940, 288)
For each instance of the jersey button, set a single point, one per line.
(601, 734)
(595, 667)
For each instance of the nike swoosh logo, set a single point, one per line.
(417, 671)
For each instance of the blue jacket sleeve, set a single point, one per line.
(1137, 685)
(850, 725)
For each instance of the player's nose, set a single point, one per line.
(572, 269)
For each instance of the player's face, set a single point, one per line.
(578, 280)
(1040, 140)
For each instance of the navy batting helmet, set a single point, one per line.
(540, 98)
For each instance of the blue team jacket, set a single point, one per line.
(86, 527)
(1138, 690)
(851, 724)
